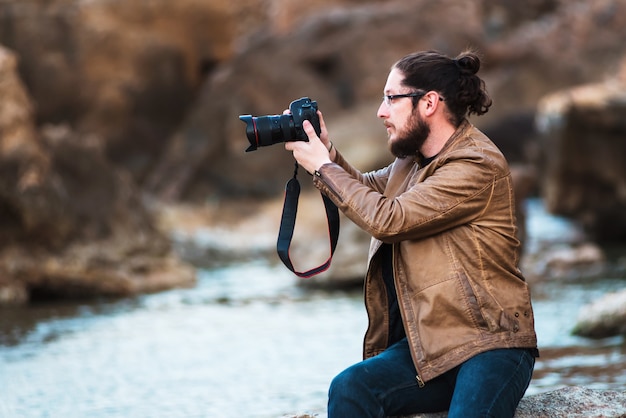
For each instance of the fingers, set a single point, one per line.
(323, 130)
(322, 123)
(310, 154)
(309, 130)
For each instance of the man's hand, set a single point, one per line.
(310, 155)
(315, 153)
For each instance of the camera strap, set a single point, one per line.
(288, 222)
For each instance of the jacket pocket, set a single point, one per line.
(487, 314)
(473, 304)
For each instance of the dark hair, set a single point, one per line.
(454, 78)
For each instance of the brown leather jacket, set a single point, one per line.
(455, 253)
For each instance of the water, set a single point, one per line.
(246, 342)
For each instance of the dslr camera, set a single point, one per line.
(268, 130)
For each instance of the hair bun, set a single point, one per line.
(468, 63)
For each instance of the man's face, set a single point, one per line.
(406, 129)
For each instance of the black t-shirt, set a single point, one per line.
(396, 328)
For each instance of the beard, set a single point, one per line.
(409, 142)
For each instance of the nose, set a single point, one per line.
(383, 110)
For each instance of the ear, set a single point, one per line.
(432, 102)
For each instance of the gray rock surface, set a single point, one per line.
(568, 402)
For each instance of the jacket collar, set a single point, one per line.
(460, 132)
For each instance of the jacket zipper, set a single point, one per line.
(330, 189)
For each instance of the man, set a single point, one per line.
(450, 319)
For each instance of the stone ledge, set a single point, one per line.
(568, 402)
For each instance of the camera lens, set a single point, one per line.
(268, 130)
(263, 131)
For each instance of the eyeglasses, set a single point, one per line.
(388, 98)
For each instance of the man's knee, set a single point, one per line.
(352, 394)
(345, 382)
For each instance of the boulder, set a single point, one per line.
(567, 402)
(605, 317)
(124, 71)
(71, 224)
(573, 402)
(567, 262)
(583, 141)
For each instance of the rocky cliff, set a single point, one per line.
(111, 108)
(72, 224)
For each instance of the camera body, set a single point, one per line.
(263, 131)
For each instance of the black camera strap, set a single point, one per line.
(288, 222)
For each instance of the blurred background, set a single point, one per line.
(138, 274)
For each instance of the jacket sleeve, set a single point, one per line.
(456, 190)
(376, 180)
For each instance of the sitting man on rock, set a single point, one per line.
(451, 324)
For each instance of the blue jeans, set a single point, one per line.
(489, 384)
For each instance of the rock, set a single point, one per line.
(23, 163)
(573, 402)
(567, 262)
(568, 402)
(125, 71)
(606, 317)
(71, 224)
(585, 176)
